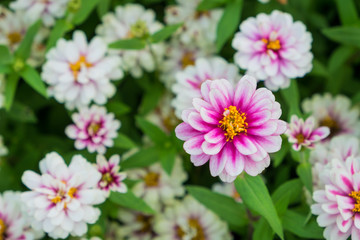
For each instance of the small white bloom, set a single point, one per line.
(61, 199)
(133, 21)
(199, 27)
(227, 189)
(156, 187)
(93, 129)
(188, 81)
(335, 113)
(79, 72)
(188, 220)
(47, 10)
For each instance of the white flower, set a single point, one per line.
(335, 113)
(79, 73)
(199, 27)
(112, 179)
(188, 81)
(14, 221)
(178, 57)
(61, 199)
(190, 220)
(156, 187)
(93, 129)
(227, 189)
(133, 21)
(47, 10)
(3, 149)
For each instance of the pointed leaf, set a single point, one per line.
(87, 6)
(10, 89)
(345, 35)
(294, 222)
(152, 131)
(123, 141)
(60, 28)
(129, 200)
(167, 158)
(347, 11)
(206, 5)
(32, 77)
(5, 55)
(165, 33)
(292, 98)
(129, 44)
(304, 171)
(24, 49)
(142, 158)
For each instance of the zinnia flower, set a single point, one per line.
(337, 204)
(273, 48)
(112, 179)
(133, 21)
(190, 220)
(335, 113)
(79, 73)
(61, 199)
(188, 81)
(93, 129)
(304, 133)
(236, 127)
(46, 10)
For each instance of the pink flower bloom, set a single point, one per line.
(236, 127)
(338, 203)
(94, 129)
(111, 178)
(304, 134)
(273, 48)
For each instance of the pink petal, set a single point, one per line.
(258, 118)
(218, 100)
(184, 131)
(244, 91)
(255, 168)
(205, 90)
(193, 145)
(210, 116)
(325, 220)
(197, 123)
(244, 145)
(357, 221)
(345, 206)
(212, 148)
(200, 159)
(330, 207)
(225, 87)
(270, 144)
(265, 129)
(320, 196)
(199, 103)
(217, 164)
(260, 154)
(234, 160)
(281, 127)
(319, 134)
(214, 136)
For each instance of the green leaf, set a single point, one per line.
(279, 156)
(60, 28)
(345, 35)
(118, 108)
(206, 5)
(228, 23)
(150, 99)
(22, 113)
(263, 231)
(24, 49)
(87, 6)
(304, 171)
(256, 196)
(319, 69)
(103, 7)
(292, 98)
(129, 200)
(167, 158)
(347, 11)
(225, 207)
(165, 33)
(10, 89)
(5, 69)
(32, 77)
(5, 55)
(287, 193)
(152, 131)
(129, 44)
(142, 158)
(295, 222)
(123, 141)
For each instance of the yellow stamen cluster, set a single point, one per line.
(331, 124)
(273, 45)
(300, 138)
(59, 197)
(93, 128)
(146, 223)
(152, 179)
(356, 196)
(76, 67)
(187, 59)
(14, 38)
(233, 123)
(138, 30)
(194, 224)
(2, 229)
(72, 192)
(199, 14)
(107, 178)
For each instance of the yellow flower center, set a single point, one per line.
(138, 30)
(199, 14)
(273, 45)
(300, 138)
(145, 221)
(2, 229)
(152, 179)
(331, 124)
(233, 123)
(107, 178)
(76, 67)
(14, 38)
(356, 196)
(72, 192)
(187, 60)
(195, 226)
(93, 128)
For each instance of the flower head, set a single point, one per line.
(335, 113)
(304, 133)
(235, 127)
(111, 178)
(93, 129)
(61, 199)
(273, 48)
(133, 21)
(79, 73)
(46, 10)
(189, 80)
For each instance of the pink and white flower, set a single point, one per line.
(273, 48)
(61, 199)
(93, 129)
(14, 221)
(305, 133)
(47, 10)
(189, 80)
(233, 127)
(334, 112)
(79, 72)
(111, 178)
(337, 204)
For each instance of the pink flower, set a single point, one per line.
(111, 178)
(236, 127)
(305, 134)
(338, 203)
(94, 129)
(273, 48)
